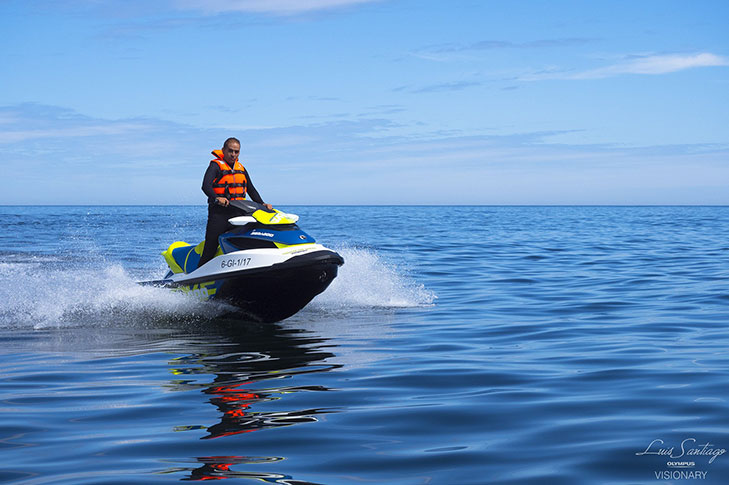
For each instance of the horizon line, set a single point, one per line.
(379, 205)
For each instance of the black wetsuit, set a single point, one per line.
(217, 214)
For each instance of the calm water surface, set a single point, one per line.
(459, 345)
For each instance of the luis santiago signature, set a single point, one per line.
(687, 448)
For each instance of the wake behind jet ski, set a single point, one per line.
(265, 265)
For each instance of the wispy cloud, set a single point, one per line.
(453, 50)
(502, 44)
(659, 64)
(439, 87)
(35, 131)
(32, 122)
(400, 162)
(646, 65)
(275, 7)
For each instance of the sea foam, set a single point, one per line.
(367, 280)
(39, 292)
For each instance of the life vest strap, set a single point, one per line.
(229, 185)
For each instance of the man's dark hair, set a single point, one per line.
(230, 140)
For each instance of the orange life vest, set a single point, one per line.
(232, 182)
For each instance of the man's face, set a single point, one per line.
(231, 152)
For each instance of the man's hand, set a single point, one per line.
(222, 201)
(268, 206)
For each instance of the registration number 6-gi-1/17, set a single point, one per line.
(234, 263)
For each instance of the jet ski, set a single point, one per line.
(265, 265)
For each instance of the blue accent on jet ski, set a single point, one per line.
(186, 258)
(289, 236)
(193, 258)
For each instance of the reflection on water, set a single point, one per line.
(252, 359)
(218, 468)
(251, 365)
(249, 375)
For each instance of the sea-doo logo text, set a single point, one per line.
(232, 263)
(259, 233)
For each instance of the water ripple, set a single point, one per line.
(540, 345)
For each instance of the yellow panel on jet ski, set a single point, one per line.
(275, 217)
(170, 259)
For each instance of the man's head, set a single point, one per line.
(231, 150)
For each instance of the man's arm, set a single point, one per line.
(211, 174)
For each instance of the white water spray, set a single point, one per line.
(38, 292)
(366, 280)
(34, 295)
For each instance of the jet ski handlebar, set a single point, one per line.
(248, 206)
(252, 211)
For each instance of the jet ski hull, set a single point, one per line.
(272, 293)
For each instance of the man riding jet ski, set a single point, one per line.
(265, 265)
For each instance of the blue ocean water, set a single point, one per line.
(459, 345)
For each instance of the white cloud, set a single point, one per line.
(662, 64)
(70, 131)
(651, 65)
(276, 7)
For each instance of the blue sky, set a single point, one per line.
(366, 101)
